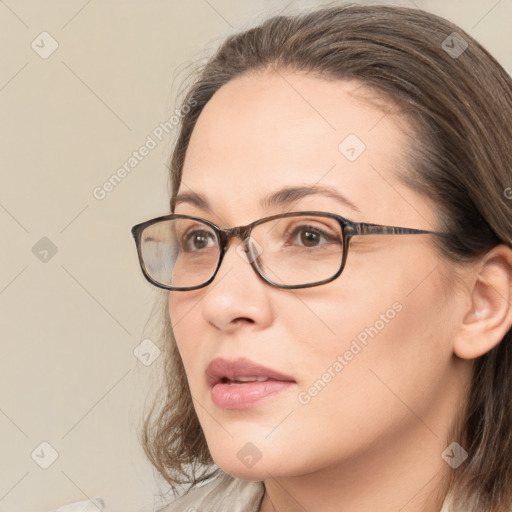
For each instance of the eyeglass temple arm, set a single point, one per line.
(362, 228)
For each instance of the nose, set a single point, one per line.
(237, 295)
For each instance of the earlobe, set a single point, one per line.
(489, 316)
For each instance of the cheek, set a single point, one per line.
(387, 345)
(188, 332)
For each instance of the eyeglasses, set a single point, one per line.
(290, 250)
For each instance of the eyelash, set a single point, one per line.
(296, 229)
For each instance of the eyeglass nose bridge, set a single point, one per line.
(241, 232)
(244, 233)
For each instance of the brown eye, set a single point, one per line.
(198, 239)
(309, 236)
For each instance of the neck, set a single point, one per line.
(406, 474)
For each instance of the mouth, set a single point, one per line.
(241, 380)
(242, 383)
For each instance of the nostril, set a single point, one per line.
(243, 319)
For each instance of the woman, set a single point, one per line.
(386, 387)
(313, 363)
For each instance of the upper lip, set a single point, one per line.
(220, 369)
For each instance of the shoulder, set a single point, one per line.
(92, 505)
(224, 493)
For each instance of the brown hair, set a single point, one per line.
(460, 111)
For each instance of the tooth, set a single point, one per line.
(250, 379)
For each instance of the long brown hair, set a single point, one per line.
(458, 103)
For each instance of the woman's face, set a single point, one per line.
(368, 356)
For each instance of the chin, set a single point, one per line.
(249, 462)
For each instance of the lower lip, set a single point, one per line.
(247, 394)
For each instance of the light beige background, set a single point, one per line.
(70, 324)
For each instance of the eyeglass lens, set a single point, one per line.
(293, 250)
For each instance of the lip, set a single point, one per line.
(228, 394)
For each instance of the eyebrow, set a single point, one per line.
(281, 197)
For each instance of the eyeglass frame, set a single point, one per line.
(349, 229)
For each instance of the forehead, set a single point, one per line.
(265, 131)
(296, 117)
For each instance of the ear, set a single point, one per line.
(489, 315)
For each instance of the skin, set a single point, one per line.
(378, 428)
